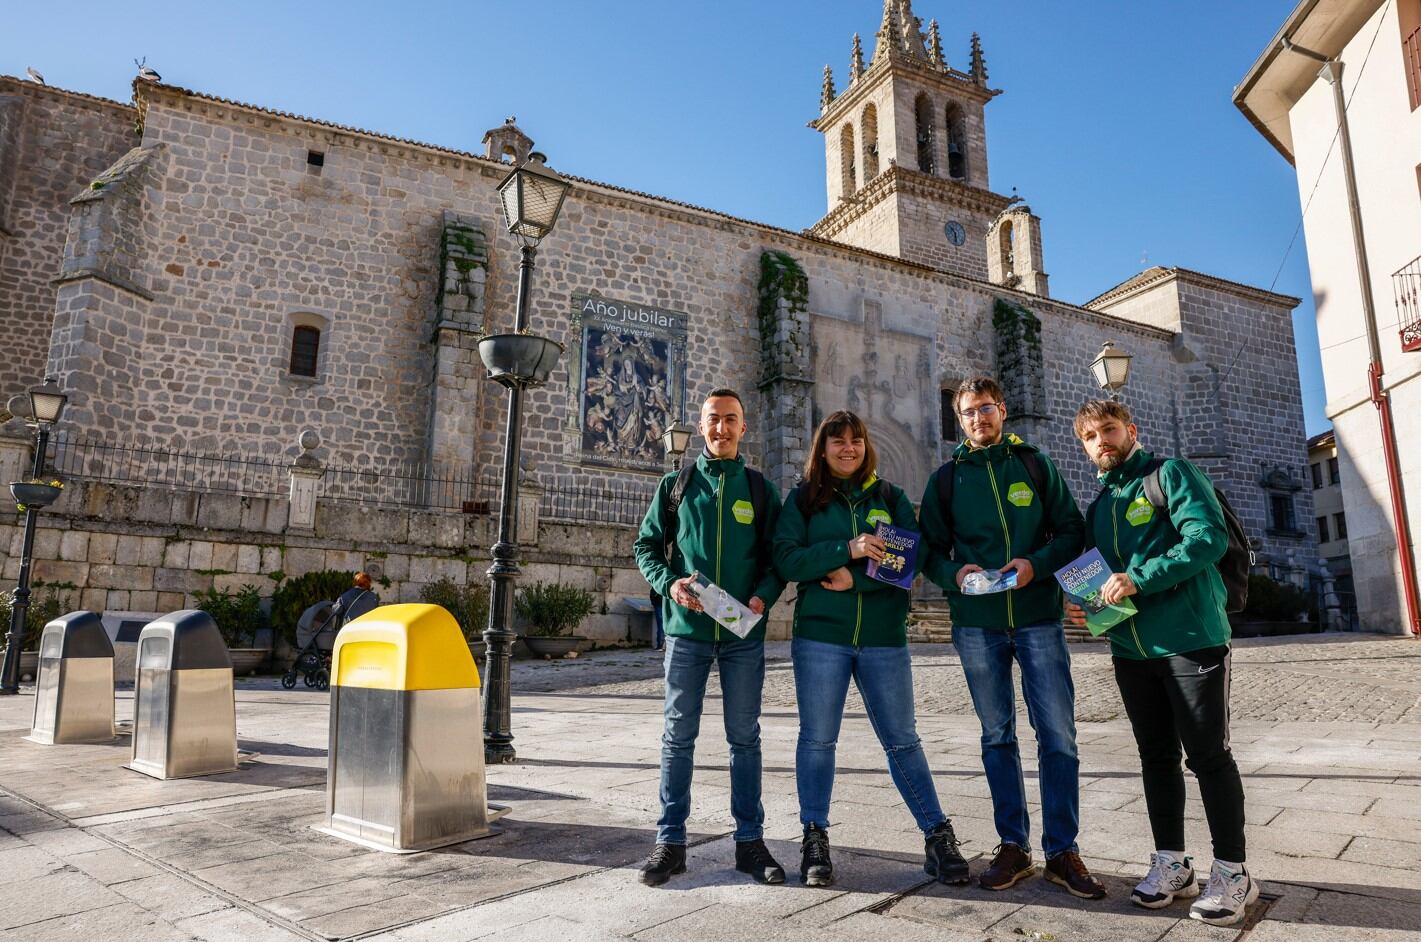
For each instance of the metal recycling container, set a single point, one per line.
(184, 705)
(74, 684)
(406, 760)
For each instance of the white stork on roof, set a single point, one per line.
(145, 73)
(34, 76)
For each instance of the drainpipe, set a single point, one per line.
(1381, 398)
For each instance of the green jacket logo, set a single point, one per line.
(876, 516)
(1020, 495)
(1140, 511)
(744, 511)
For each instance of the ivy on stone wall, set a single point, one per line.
(782, 280)
(1020, 368)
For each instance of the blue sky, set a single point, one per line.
(1116, 122)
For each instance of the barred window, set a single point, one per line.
(305, 350)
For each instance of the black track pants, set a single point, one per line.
(1179, 707)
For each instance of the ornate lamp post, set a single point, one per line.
(46, 406)
(532, 195)
(676, 439)
(1111, 368)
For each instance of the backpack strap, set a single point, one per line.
(1154, 490)
(1036, 471)
(946, 481)
(671, 511)
(758, 499)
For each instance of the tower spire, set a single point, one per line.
(935, 46)
(890, 31)
(826, 94)
(856, 60)
(979, 62)
(912, 41)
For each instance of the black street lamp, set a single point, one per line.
(46, 406)
(532, 195)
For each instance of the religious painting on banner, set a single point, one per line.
(629, 381)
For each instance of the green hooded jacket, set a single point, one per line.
(716, 536)
(997, 516)
(872, 613)
(1171, 557)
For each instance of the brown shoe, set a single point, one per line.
(1067, 869)
(1009, 867)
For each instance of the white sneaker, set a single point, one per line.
(1170, 878)
(1226, 899)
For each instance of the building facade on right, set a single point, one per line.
(1364, 251)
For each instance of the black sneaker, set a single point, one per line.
(665, 860)
(753, 857)
(815, 869)
(944, 860)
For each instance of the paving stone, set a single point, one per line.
(120, 921)
(65, 892)
(172, 897)
(112, 865)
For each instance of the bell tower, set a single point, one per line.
(905, 147)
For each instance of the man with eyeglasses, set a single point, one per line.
(999, 508)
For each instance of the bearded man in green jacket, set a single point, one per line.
(720, 527)
(1172, 657)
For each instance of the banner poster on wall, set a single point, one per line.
(628, 382)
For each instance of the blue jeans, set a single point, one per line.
(1050, 695)
(742, 677)
(884, 677)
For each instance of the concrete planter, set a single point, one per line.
(556, 646)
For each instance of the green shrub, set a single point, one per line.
(468, 604)
(297, 595)
(238, 614)
(48, 600)
(552, 608)
(1274, 601)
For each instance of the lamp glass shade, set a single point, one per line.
(47, 402)
(677, 438)
(532, 196)
(1111, 367)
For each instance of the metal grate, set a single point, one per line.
(1411, 49)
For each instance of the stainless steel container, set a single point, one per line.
(406, 760)
(74, 685)
(184, 706)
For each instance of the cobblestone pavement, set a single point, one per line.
(1322, 678)
(1325, 730)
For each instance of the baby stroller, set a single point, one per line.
(315, 637)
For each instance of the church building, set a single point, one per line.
(213, 277)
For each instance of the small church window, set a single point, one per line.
(870, 142)
(947, 397)
(305, 351)
(923, 110)
(846, 157)
(1008, 238)
(956, 127)
(315, 158)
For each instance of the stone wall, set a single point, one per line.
(128, 548)
(52, 145)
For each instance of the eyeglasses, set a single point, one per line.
(985, 411)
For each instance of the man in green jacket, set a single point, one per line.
(1007, 509)
(1172, 657)
(715, 531)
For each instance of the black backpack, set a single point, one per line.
(1237, 561)
(947, 480)
(671, 510)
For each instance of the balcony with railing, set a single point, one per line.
(1406, 286)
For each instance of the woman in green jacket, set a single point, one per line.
(848, 625)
